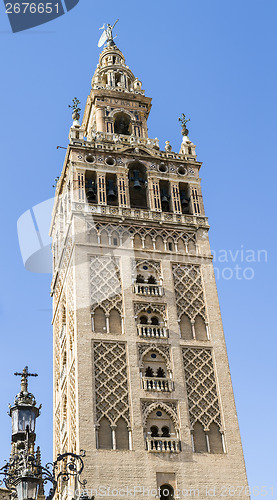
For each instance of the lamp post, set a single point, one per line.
(23, 474)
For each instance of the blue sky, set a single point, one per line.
(213, 60)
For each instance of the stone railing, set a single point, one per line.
(158, 332)
(163, 444)
(140, 214)
(148, 290)
(157, 384)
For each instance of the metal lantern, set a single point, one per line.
(27, 486)
(24, 476)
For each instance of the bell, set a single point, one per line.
(91, 191)
(164, 199)
(184, 200)
(137, 183)
(111, 194)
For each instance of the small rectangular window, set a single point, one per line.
(115, 241)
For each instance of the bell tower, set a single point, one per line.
(141, 376)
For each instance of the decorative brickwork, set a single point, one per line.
(170, 408)
(151, 264)
(201, 387)
(111, 383)
(143, 306)
(189, 290)
(72, 408)
(163, 350)
(105, 283)
(130, 231)
(70, 308)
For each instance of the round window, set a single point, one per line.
(90, 158)
(162, 167)
(110, 161)
(153, 355)
(182, 171)
(159, 413)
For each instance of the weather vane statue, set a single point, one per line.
(107, 35)
(184, 122)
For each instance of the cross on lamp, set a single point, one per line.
(23, 474)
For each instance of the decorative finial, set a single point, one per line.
(76, 109)
(107, 35)
(184, 121)
(24, 378)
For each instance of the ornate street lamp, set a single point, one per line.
(23, 474)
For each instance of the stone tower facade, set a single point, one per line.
(141, 376)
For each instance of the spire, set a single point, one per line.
(112, 73)
(187, 147)
(116, 106)
(24, 413)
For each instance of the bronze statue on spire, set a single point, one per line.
(107, 35)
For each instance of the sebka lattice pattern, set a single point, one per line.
(201, 387)
(189, 290)
(111, 384)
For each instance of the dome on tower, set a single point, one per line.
(113, 73)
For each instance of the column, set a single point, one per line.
(123, 190)
(155, 199)
(101, 189)
(175, 197)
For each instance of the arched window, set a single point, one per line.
(154, 431)
(215, 439)
(105, 435)
(185, 327)
(143, 320)
(154, 320)
(165, 431)
(149, 372)
(137, 183)
(115, 322)
(160, 372)
(167, 492)
(99, 320)
(122, 435)
(200, 328)
(199, 439)
(122, 124)
(91, 187)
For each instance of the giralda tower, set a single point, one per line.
(141, 376)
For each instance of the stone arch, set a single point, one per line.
(99, 320)
(148, 242)
(104, 434)
(160, 405)
(185, 327)
(158, 351)
(115, 321)
(121, 110)
(215, 439)
(200, 328)
(137, 174)
(137, 241)
(199, 438)
(166, 492)
(159, 243)
(122, 122)
(122, 434)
